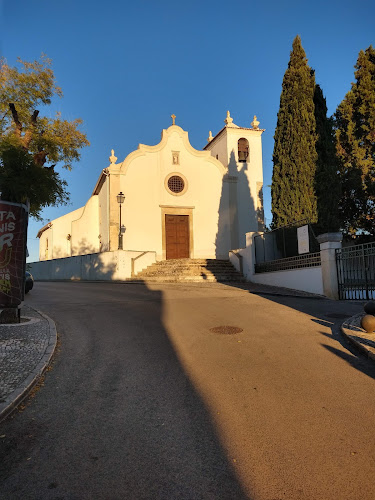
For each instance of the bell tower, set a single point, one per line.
(239, 149)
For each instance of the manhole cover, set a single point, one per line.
(226, 330)
(336, 315)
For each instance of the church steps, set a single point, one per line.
(190, 270)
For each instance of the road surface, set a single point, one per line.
(144, 401)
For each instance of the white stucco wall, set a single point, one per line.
(308, 279)
(249, 213)
(147, 199)
(44, 242)
(103, 199)
(219, 147)
(104, 266)
(85, 229)
(58, 244)
(75, 233)
(220, 205)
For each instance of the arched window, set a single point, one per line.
(243, 149)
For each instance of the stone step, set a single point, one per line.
(191, 266)
(205, 272)
(170, 261)
(190, 279)
(192, 270)
(188, 262)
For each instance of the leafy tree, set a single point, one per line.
(28, 143)
(294, 155)
(355, 145)
(23, 180)
(327, 184)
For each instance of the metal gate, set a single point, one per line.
(356, 272)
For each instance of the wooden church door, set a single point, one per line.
(177, 236)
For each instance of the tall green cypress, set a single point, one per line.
(327, 183)
(294, 155)
(355, 146)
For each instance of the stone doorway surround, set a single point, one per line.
(177, 210)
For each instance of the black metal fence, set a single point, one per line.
(356, 272)
(277, 250)
(297, 262)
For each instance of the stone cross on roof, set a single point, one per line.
(173, 119)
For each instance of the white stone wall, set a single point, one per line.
(54, 242)
(44, 242)
(219, 199)
(85, 229)
(142, 181)
(75, 233)
(305, 279)
(103, 198)
(104, 266)
(245, 204)
(308, 279)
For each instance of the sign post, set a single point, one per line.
(303, 239)
(13, 234)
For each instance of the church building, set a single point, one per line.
(169, 199)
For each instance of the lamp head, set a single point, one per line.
(120, 197)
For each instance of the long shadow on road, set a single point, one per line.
(117, 417)
(328, 313)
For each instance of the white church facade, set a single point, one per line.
(176, 201)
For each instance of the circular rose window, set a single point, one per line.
(176, 183)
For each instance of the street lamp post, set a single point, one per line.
(120, 201)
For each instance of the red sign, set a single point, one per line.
(13, 232)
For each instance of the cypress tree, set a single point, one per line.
(327, 185)
(294, 155)
(355, 146)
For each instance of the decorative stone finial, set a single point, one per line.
(228, 120)
(209, 136)
(255, 123)
(173, 119)
(113, 158)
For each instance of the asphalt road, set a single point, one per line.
(145, 402)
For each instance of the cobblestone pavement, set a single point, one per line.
(25, 350)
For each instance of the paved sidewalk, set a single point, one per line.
(352, 330)
(25, 351)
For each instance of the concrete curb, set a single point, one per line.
(365, 342)
(21, 392)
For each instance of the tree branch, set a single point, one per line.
(40, 158)
(29, 132)
(18, 124)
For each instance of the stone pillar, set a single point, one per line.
(328, 244)
(248, 255)
(114, 211)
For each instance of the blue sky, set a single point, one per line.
(125, 67)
